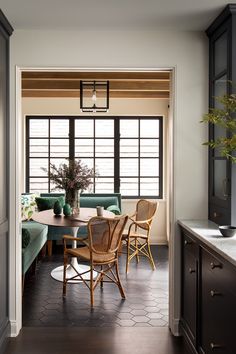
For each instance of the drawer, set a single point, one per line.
(188, 244)
(217, 316)
(219, 268)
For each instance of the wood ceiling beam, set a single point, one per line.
(75, 94)
(114, 85)
(43, 75)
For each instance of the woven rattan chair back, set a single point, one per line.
(145, 210)
(105, 234)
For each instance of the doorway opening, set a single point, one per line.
(134, 96)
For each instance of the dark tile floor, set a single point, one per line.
(146, 303)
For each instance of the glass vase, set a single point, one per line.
(72, 197)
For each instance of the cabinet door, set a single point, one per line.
(189, 287)
(218, 313)
(219, 167)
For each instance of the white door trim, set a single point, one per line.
(15, 292)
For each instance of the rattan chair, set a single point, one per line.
(100, 250)
(137, 235)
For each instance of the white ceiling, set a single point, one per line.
(112, 14)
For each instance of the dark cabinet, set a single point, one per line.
(222, 71)
(189, 287)
(208, 311)
(5, 32)
(218, 312)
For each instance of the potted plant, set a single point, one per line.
(73, 178)
(224, 117)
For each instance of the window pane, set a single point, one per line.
(84, 128)
(104, 167)
(149, 186)
(58, 162)
(87, 162)
(220, 179)
(149, 167)
(220, 54)
(38, 128)
(149, 128)
(104, 128)
(59, 128)
(129, 167)
(104, 148)
(104, 185)
(149, 147)
(59, 147)
(129, 186)
(128, 128)
(129, 147)
(36, 166)
(39, 185)
(220, 89)
(53, 188)
(38, 148)
(84, 147)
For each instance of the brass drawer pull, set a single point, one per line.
(191, 270)
(215, 265)
(215, 293)
(216, 346)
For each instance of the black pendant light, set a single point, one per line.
(94, 96)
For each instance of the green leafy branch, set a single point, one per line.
(224, 118)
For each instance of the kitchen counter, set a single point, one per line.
(208, 233)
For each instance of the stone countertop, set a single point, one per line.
(208, 232)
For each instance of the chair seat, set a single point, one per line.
(84, 252)
(133, 235)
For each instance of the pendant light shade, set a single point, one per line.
(94, 96)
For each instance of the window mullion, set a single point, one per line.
(49, 154)
(71, 138)
(27, 165)
(139, 133)
(117, 155)
(94, 154)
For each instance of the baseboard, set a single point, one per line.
(13, 329)
(175, 327)
(162, 241)
(5, 332)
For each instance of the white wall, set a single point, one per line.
(71, 106)
(184, 51)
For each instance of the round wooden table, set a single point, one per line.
(47, 217)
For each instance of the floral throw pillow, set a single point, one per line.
(28, 206)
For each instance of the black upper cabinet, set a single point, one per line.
(222, 71)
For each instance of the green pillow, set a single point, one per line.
(114, 209)
(46, 203)
(25, 237)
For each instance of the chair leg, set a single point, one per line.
(101, 281)
(122, 293)
(49, 245)
(64, 274)
(127, 255)
(136, 249)
(150, 257)
(120, 249)
(91, 286)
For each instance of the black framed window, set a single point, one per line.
(126, 152)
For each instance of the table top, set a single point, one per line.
(47, 217)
